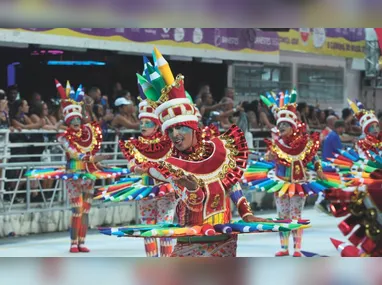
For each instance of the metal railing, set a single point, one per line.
(20, 194)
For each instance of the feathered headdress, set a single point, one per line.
(166, 94)
(71, 101)
(283, 106)
(365, 117)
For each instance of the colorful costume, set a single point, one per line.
(81, 169)
(216, 163)
(294, 174)
(363, 198)
(364, 224)
(368, 142)
(152, 211)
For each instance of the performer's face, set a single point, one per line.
(182, 137)
(148, 127)
(373, 129)
(285, 129)
(75, 124)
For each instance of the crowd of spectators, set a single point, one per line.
(119, 110)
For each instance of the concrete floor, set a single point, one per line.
(316, 239)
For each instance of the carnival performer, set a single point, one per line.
(81, 143)
(152, 145)
(371, 139)
(363, 163)
(204, 173)
(292, 149)
(362, 208)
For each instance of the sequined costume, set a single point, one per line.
(154, 148)
(369, 141)
(217, 163)
(81, 147)
(362, 225)
(292, 174)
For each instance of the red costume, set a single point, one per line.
(217, 164)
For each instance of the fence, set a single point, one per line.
(19, 194)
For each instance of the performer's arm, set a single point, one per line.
(237, 197)
(74, 154)
(317, 163)
(318, 167)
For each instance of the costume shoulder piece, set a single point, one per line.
(367, 144)
(87, 140)
(210, 132)
(144, 149)
(300, 148)
(225, 163)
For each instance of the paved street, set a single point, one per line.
(316, 239)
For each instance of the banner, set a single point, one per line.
(343, 42)
(235, 40)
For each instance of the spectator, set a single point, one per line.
(251, 109)
(13, 94)
(125, 117)
(4, 112)
(229, 92)
(19, 117)
(333, 141)
(88, 110)
(207, 106)
(225, 117)
(127, 95)
(313, 120)
(302, 113)
(104, 117)
(20, 120)
(322, 118)
(266, 118)
(329, 127)
(243, 123)
(39, 113)
(116, 88)
(351, 126)
(205, 88)
(95, 94)
(55, 114)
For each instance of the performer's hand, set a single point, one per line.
(321, 175)
(253, 219)
(141, 170)
(189, 181)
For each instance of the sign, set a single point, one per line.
(343, 42)
(236, 40)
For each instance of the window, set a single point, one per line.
(252, 81)
(320, 85)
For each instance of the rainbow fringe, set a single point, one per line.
(261, 176)
(61, 173)
(132, 189)
(358, 170)
(174, 230)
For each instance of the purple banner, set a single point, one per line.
(248, 40)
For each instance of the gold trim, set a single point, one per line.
(165, 91)
(292, 158)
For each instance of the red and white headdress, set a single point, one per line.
(365, 117)
(147, 112)
(71, 101)
(283, 107)
(167, 95)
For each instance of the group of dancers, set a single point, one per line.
(188, 176)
